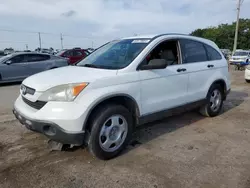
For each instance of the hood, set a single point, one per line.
(65, 75)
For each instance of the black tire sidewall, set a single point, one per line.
(209, 111)
(99, 118)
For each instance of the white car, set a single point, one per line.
(247, 74)
(123, 84)
(240, 56)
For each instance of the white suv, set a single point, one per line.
(123, 84)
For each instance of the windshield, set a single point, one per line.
(116, 54)
(240, 53)
(2, 59)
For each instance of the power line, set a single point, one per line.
(48, 33)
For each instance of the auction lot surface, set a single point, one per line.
(187, 150)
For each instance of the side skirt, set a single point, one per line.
(170, 112)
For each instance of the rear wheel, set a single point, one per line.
(214, 101)
(248, 81)
(111, 130)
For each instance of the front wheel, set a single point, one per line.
(111, 130)
(214, 101)
(248, 81)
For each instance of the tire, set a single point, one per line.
(248, 81)
(107, 123)
(212, 109)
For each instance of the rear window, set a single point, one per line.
(212, 53)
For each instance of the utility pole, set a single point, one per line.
(61, 41)
(40, 42)
(237, 25)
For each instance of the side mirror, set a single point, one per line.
(8, 62)
(155, 64)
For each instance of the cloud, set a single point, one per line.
(109, 19)
(69, 13)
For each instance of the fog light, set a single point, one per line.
(48, 130)
(28, 122)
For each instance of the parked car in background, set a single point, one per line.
(74, 55)
(2, 53)
(9, 51)
(247, 74)
(90, 50)
(18, 66)
(240, 56)
(226, 52)
(124, 83)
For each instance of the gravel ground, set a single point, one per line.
(186, 151)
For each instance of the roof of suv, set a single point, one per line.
(153, 36)
(169, 34)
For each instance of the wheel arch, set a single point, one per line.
(222, 83)
(123, 99)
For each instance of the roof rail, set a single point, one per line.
(170, 34)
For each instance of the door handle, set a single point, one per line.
(181, 70)
(210, 66)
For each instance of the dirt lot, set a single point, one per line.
(187, 150)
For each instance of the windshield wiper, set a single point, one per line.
(90, 65)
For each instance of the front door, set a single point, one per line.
(164, 89)
(15, 69)
(77, 56)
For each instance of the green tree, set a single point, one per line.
(223, 34)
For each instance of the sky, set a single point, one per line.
(87, 23)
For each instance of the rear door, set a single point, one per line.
(38, 63)
(201, 62)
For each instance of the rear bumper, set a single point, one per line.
(51, 130)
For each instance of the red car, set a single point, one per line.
(73, 55)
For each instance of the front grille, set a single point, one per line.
(37, 105)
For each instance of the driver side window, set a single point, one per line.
(18, 59)
(167, 50)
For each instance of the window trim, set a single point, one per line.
(202, 43)
(138, 68)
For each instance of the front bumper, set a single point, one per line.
(237, 61)
(51, 130)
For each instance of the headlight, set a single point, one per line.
(67, 92)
